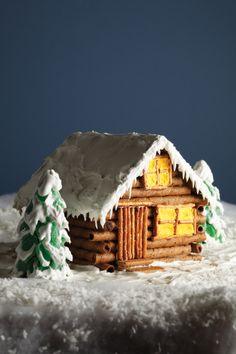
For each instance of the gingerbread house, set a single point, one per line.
(131, 199)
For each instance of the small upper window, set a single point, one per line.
(159, 173)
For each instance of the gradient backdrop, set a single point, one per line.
(166, 67)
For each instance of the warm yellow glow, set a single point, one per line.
(161, 167)
(163, 163)
(164, 179)
(186, 214)
(175, 220)
(152, 166)
(151, 180)
(184, 229)
(165, 230)
(166, 214)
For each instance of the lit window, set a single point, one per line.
(173, 221)
(158, 173)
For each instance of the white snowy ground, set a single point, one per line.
(188, 308)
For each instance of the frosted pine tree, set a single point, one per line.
(214, 225)
(42, 233)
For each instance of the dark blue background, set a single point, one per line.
(164, 67)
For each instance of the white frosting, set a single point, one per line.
(49, 183)
(50, 179)
(97, 169)
(203, 170)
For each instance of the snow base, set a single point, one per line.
(191, 323)
(189, 308)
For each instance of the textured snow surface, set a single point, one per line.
(188, 308)
(97, 169)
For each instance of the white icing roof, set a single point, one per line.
(98, 168)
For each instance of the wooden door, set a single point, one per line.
(132, 232)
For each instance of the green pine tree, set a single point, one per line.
(42, 232)
(214, 225)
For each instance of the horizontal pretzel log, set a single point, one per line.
(158, 253)
(87, 224)
(134, 263)
(175, 241)
(154, 201)
(181, 257)
(92, 235)
(93, 257)
(144, 193)
(96, 246)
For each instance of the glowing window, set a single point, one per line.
(161, 167)
(175, 220)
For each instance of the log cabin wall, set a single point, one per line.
(161, 219)
(93, 244)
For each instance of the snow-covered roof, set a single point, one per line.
(98, 168)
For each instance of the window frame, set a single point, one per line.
(158, 172)
(175, 221)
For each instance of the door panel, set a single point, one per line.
(132, 233)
